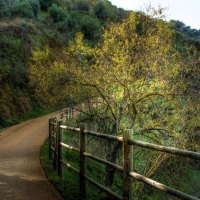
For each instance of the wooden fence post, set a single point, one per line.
(56, 146)
(59, 149)
(50, 132)
(127, 165)
(68, 114)
(83, 163)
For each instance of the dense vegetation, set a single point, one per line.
(26, 25)
(140, 71)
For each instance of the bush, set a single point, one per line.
(90, 27)
(35, 4)
(74, 20)
(63, 26)
(57, 13)
(100, 10)
(105, 10)
(83, 5)
(45, 4)
(4, 9)
(23, 9)
(5, 71)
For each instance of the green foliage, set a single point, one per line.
(182, 28)
(90, 27)
(22, 9)
(4, 71)
(100, 10)
(68, 186)
(45, 4)
(63, 26)
(145, 76)
(137, 75)
(14, 74)
(35, 4)
(106, 11)
(36, 111)
(74, 20)
(83, 6)
(23, 36)
(57, 13)
(4, 9)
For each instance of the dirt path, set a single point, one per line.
(21, 176)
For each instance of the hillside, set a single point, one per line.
(28, 25)
(125, 70)
(32, 24)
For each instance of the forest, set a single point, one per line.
(140, 71)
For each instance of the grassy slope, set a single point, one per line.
(69, 188)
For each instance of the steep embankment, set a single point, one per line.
(18, 38)
(17, 96)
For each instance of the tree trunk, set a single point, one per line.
(112, 157)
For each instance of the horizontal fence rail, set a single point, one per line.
(56, 144)
(170, 150)
(102, 135)
(162, 187)
(106, 190)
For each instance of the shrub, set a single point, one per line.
(90, 27)
(105, 10)
(83, 5)
(22, 9)
(5, 71)
(57, 13)
(35, 4)
(63, 26)
(4, 9)
(45, 4)
(100, 10)
(74, 19)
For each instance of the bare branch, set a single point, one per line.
(149, 95)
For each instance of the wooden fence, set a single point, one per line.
(56, 144)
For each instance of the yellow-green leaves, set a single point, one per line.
(135, 72)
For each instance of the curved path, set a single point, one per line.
(21, 176)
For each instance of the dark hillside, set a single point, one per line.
(26, 25)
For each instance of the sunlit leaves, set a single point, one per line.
(135, 72)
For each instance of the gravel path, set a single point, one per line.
(21, 176)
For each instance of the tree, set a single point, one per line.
(106, 11)
(45, 4)
(35, 4)
(57, 13)
(90, 27)
(135, 74)
(83, 6)
(128, 78)
(22, 9)
(100, 10)
(4, 9)
(182, 28)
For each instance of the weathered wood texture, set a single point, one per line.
(83, 161)
(128, 156)
(127, 165)
(59, 149)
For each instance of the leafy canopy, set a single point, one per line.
(133, 72)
